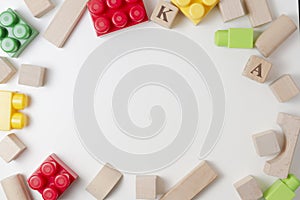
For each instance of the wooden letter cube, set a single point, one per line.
(164, 14)
(32, 75)
(7, 70)
(257, 69)
(267, 143)
(284, 88)
(104, 182)
(11, 147)
(248, 189)
(146, 187)
(15, 188)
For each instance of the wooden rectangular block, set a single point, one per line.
(15, 188)
(231, 9)
(280, 165)
(7, 70)
(284, 88)
(193, 183)
(164, 14)
(11, 147)
(104, 182)
(259, 12)
(278, 32)
(146, 187)
(248, 189)
(38, 8)
(267, 143)
(32, 75)
(65, 21)
(257, 69)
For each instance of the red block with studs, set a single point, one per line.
(52, 178)
(112, 15)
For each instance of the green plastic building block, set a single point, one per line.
(15, 33)
(235, 38)
(283, 189)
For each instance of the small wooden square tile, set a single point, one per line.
(284, 88)
(231, 9)
(7, 70)
(248, 189)
(11, 147)
(38, 8)
(257, 69)
(146, 187)
(32, 75)
(15, 188)
(267, 143)
(164, 14)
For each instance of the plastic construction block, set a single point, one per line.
(15, 33)
(195, 10)
(235, 38)
(10, 103)
(283, 189)
(112, 15)
(52, 178)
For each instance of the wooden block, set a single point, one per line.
(146, 187)
(280, 165)
(248, 189)
(15, 188)
(32, 75)
(164, 14)
(65, 21)
(259, 12)
(284, 88)
(38, 8)
(267, 143)
(278, 32)
(231, 9)
(7, 70)
(104, 182)
(257, 69)
(11, 147)
(192, 183)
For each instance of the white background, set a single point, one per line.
(250, 107)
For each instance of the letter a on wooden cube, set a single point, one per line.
(248, 189)
(164, 14)
(284, 88)
(15, 188)
(267, 143)
(146, 187)
(104, 182)
(11, 147)
(257, 69)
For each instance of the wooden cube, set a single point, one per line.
(104, 182)
(257, 69)
(32, 75)
(259, 12)
(7, 70)
(164, 14)
(231, 9)
(38, 8)
(267, 143)
(11, 147)
(284, 88)
(248, 189)
(146, 187)
(15, 188)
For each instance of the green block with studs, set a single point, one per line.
(283, 189)
(15, 33)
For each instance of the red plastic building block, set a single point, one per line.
(52, 178)
(113, 15)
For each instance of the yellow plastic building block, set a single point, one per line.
(195, 10)
(10, 103)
